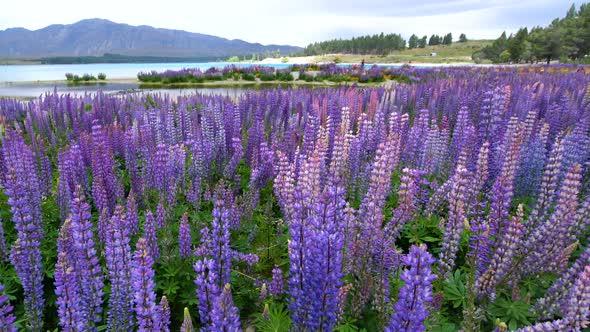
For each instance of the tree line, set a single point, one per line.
(370, 44)
(566, 39)
(381, 44)
(416, 42)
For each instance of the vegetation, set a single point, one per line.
(84, 78)
(567, 39)
(308, 73)
(438, 40)
(458, 202)
(456, 52)
(375, 44)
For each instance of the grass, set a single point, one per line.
(456, 52)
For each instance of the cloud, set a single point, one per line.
(297, 22)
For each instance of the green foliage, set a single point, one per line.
(567, 38)
(234, 58)
(348, 325)
(413, 41)
(455, 291)
(435, 40)
(422, 42)
(284, 76)
(448, 39)
(102, 76)
(515, 313)
(374, 44)
(462, 38)
(267, 77)
(505, 56)
(277, 319)
(88, 77)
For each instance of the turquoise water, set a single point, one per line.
(28, 73)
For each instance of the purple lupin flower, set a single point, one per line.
(105, 186)
(548, 240)
(187, 322)
(7, 319)
(555, 297)
(3, 249)
(549, 184)
(87, 263)
(232, 164)
(143, 286)
(277, 283)
(150, 235)
(224, 315)
(406, 205)
(161, 214)
(118, 259)
(411, 309)
(131, 217)
(184, 237)
(164, 314)
(66, 286)
(502, 259)
(575, 311)
(207, 290)
(552, 326)
(21, 185)
(577, 308)
(456, 221)
(219, 249)
(159, 171)
(324, 256)
(263, 291)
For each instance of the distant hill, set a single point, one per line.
(95, 37)
(454, 53)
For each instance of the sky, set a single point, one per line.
(296, 22)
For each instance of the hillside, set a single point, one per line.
(95, 37)
(456, 52)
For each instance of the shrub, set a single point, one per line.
(69, 76)
(102, 76)
(248, 77)
(285, 76)
(267, 77)
(233, 59)
(88, 77)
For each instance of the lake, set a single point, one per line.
(31, 80)
(28, 73)
(13, 78)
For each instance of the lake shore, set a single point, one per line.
(224, 83)
(32, 89)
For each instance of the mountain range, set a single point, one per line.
(95, 37)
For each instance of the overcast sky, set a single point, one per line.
(295, 22)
